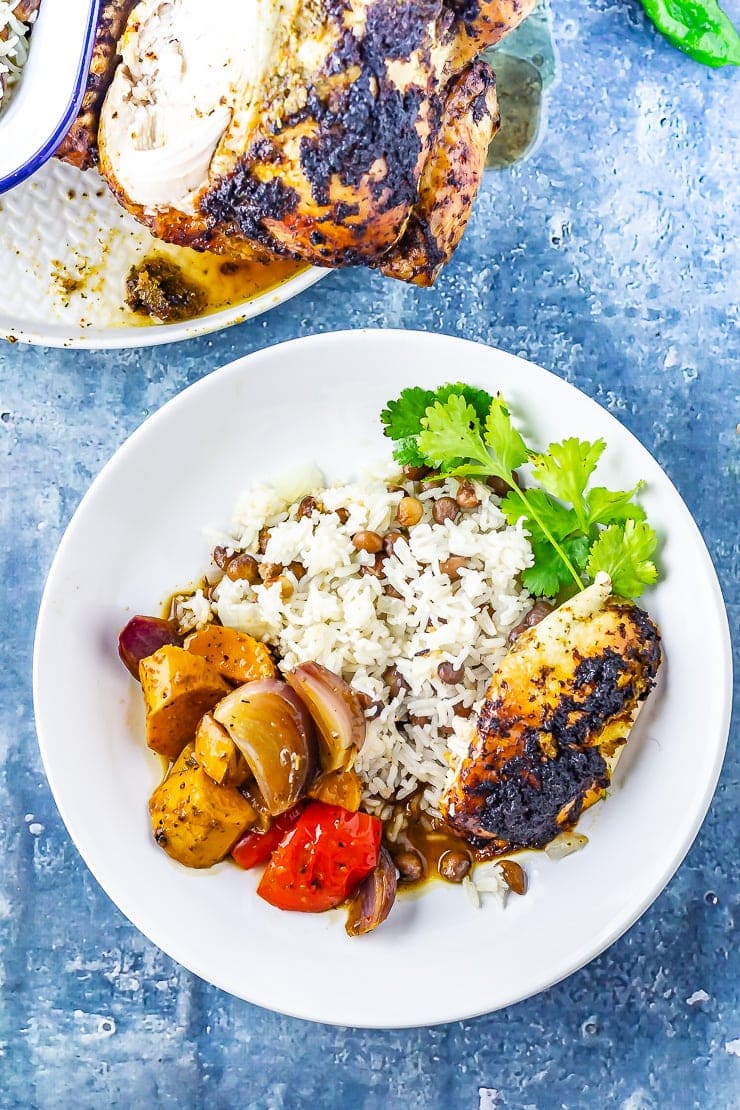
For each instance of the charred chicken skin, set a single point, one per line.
(337, 132)
(80, 144)
(557, 714)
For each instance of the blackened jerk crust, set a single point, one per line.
(556, 717)
(334, 180)
(449, 180)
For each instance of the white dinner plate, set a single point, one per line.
(66, 248)
(138, 534)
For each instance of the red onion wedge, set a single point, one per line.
(142, 636)
(273, 730)
(336, 712)
(374, 898)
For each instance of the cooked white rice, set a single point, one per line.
(486, 879)
(13, 49)
(344, 620)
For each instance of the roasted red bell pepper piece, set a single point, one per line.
(322, 860)
(254, 848)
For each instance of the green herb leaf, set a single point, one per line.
(577, 549)
(402, 418)
(479, 399)
(550, 575)
(606, 506)
(502, 437)
(566, 468)
(406, 452)
(450, 433)
(624, 552)
(551, 571)
(547, 576)
(555, 517)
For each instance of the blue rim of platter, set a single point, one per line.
(46, 150)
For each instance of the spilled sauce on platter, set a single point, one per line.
(217, 282)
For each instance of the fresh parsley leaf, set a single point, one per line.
(625, 552)
(606, 506)
(548, 574)
(450, 433)
(502, 437)
(480, 400)
(566, 468)
(406, 452)
(577, 549)
(574, 531)
(402, 418)
(540, 512)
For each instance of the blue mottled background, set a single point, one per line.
(610, 257)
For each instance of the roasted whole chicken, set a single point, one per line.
(557, 714)
(337, 132)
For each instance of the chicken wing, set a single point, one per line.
(483, 23)
(449, 180)
(557, 713)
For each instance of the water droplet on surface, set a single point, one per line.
(711, 898)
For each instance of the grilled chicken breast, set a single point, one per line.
(339, 134)
(555, 719)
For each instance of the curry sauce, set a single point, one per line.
(427, 849)
(176, 283)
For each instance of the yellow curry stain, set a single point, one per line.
(225, 282)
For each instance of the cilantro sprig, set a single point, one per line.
(575, 531)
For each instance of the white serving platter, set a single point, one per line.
(66, 247)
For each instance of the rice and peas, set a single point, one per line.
(415, 635)
(16, 20)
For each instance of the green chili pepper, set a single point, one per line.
(698, 27)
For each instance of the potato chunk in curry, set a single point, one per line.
(194, 819)
(179, 688)
(235, 655)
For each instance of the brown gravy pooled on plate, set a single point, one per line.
(425, 848)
